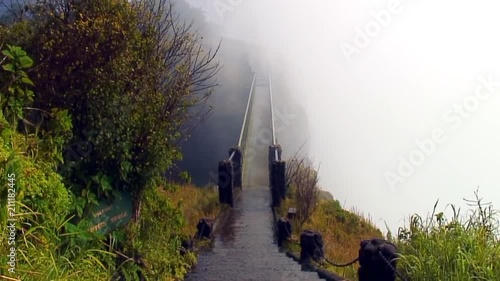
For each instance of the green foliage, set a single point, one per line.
(463, 248)
(106, 89)
(116, 80)
(47, 244)
(130, 89)
(156, 236)
(15, 92)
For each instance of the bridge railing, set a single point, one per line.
(230, 171)
(276, 165)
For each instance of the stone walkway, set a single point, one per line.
(244, 247)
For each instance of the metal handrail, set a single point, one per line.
(272, 118)
(247, 112)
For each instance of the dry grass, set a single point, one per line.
(342, 232)
(195, 203)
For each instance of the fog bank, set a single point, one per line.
(401, 97)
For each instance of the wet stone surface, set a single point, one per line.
(244, 246)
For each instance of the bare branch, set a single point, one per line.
(303, 179)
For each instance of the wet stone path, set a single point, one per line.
(244, 246)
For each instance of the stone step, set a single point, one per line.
(253, 275)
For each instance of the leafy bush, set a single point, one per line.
(137, 80)
(156, 238)
(47, 245)
(120, 82)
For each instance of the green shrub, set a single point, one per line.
(156, 238)
(122, 102)
(46, 245)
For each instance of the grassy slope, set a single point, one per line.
(195, 203)
(342, 232)
(461, 248)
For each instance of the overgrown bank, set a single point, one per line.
(462, 247)
(342, 231)
(95, 102)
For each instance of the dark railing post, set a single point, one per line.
(226, 182)
(277, 180)
(271, 158)
(284, 230)
(204, 228)
(377, 260)
(237, 166)
(280, 178)
(311, 244)
(275, 193)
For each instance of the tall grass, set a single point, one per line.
(47, 249)
(463, 247)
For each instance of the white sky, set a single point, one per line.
(365, 114)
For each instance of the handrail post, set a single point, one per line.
(236, 156)
(230, 171)
(226, 182)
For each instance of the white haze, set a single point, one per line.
(365, 114)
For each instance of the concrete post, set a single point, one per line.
(275, 193)
(204, 228)
(374, 257)
(284, 230)
(280, 178)
(311, 244)
(280, 151)
(271, 158)
(226, 182)
(237, 166)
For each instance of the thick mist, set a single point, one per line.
(401, 97)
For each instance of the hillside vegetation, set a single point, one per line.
(96, 97)
(342, 230)
(463, 247)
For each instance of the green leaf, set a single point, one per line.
(8, 67)
(20, 52)
(28, 81)
(25, 62)
(8, 54)
(71, 228)
(106, 183)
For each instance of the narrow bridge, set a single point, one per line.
(244, 244)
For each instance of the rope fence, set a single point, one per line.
(377, 257)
